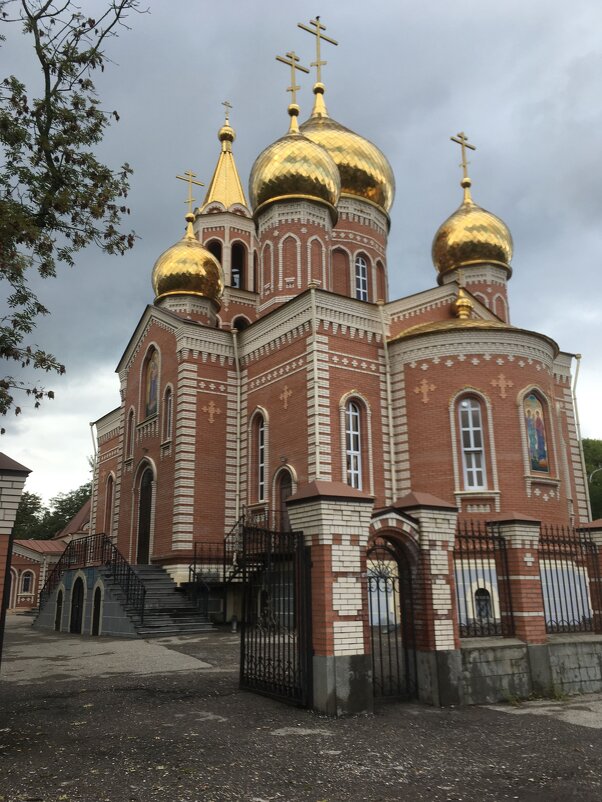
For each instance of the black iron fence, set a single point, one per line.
(98, 551)
(483, 592)
(568, 569)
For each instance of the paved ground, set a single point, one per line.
(89, 720)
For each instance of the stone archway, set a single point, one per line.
(77, 607)
(145, 508)
(284, 489)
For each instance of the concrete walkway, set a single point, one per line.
(107, 720)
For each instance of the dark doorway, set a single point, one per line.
(285, 489)
(77, 606)
(391, 621)
(96, 612)
(58, 615)
(145, 505)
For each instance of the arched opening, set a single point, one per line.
(536, 428)
(77, 606)
(129, 438)
(284, 489)
(340, 273)
(27, 579)
(240, 323)
(96, 611)
(145, 505)
(109, 501)
(151, 383)
(12, 589)
(214, 246)
(361, 277)
(58, 613)
(167, 414)
(238, 265)
(391, 617)
(482, 606)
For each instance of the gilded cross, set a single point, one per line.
(227, 105)
(292, 61)
(424, 388)
(462, 140)
(285, 395)
(212, 410)
(502, 383)
(318, 63)
(189, 177)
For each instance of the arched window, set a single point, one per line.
(471, 440)
(261, 459)
(238, 265)
(27, 582)
(109, 505)
(353, 444)
(129, 436)
(537, 441)
(361, 278)
(482, 605)
(167, 414)
(151, 384)
(240, 323)
(215, 247)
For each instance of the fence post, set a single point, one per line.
(521, 534)
(594, 530)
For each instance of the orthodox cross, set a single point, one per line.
(189, 177)
(502, 383)
(212, 410)
(462, 140)
(285, 395)
(424, 388)
(227, 105)
(292, 60)
(318, 63)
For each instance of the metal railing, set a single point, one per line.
(568, 569)
(482, 583)
(98, 551)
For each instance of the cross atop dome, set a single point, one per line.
(319, 109)
(292, 61)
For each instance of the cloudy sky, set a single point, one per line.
(523, 80)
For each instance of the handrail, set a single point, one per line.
(98, 550)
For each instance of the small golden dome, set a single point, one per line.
(187, 268)
(365, 171)
(294, 167)
(471, 236)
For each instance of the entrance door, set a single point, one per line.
(285, 489)
(144, 517)
(58, 615)
(391, 622)
(77, 606)
(96, 612)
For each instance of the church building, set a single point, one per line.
(426, 446)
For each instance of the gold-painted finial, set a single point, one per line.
(227, 105)
(319, 109)
(462, 140)
(292, 61)
(462, 306)
(189, 177)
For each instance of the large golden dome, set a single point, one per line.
(365, 171)
(294, 167)
(471, 236)
(187, 268)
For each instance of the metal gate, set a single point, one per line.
(391, 622)
(276, 623)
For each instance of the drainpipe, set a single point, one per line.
(578, 427)
(238, 414)
(392, 459)
(93, 483)
(314, 327)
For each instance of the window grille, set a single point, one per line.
(353, 445)
(471, 434)
(361, 278)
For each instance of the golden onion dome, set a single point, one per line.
(471, 236)
(188, 268)
(294, 167)
(365, 171)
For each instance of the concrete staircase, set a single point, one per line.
(167, 610)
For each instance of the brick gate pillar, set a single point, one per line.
(335, 520)
(438, 657)
(521, 534)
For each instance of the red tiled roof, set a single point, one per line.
(42, 546)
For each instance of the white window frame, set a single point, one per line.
(472, 454)
(353, 450)
(361, 278)
(261, 466)
(27, 575)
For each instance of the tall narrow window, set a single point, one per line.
(261, 459)
(152, 384)
(239, 264)
(129, 436)
(167, 414)
(215, 247)
(27, 582)
(536, 434)
(353, 445)
(109, 505)
(471, 433)
(361, 278)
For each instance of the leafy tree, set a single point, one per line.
(592, 450)
(62, 509)
(55, 196)
(28, 521)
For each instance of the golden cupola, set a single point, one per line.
(364, 170)
(294, 168)
(188, 268)
(471, 236)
